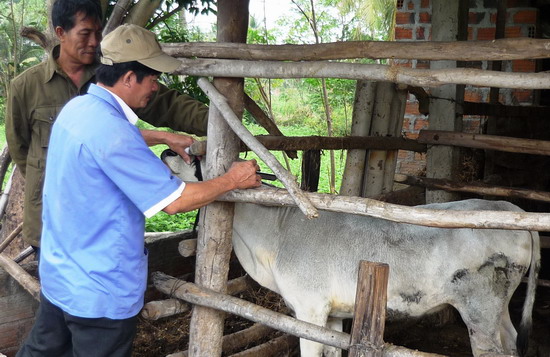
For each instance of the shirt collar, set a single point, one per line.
(52, 67)
(128, 112)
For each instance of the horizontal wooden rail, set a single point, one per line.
(487, 142)
(474, 187)
(375, 72)
(495, 50)
(397, 213)
(325, 143)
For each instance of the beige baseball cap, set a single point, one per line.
(134, 43)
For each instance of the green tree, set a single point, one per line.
(17, 53)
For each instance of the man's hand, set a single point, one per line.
(244, 175)
(176, 142)
(179, 143)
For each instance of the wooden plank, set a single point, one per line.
(504, 49)
(486, 142)
(370, 310)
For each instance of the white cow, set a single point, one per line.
(313, 265)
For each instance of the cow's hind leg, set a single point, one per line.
(333, 323)
(482, 300)
(316, 314)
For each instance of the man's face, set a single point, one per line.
(142, 92)
(79, 44)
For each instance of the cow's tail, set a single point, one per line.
(527, 316)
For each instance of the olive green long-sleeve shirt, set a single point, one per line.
(34, 100)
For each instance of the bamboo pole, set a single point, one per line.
(397, 213)
(363, 105)
(283, 175)
(376, 72)
(503, 50)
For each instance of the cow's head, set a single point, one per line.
(187, 172)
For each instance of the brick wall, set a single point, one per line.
(413, 23)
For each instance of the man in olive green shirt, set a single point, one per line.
(38, 94)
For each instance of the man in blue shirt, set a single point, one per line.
(98, 190)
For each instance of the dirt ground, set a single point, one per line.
(159, 338)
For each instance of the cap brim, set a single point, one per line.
(161, 63)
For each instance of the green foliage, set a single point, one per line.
(162, 222)
(16, 53)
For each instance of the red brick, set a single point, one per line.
(412, 136)
(412, 108)
(423, 64)
(420, 33)
(402, 154)
(523, 96)
(486, 34)
(470, 34)
(472, 96)
(525, 17)
(403, 33)
(425, 4)
(475, 17)
(420, 124)
(493, 18)
(512, 32)
(471, 124)
(403, 18)
(523, 66)
(411, 5)
(425, 18)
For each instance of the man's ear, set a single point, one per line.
(60, 33)
(128, 78)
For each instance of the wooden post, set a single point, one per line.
(214, 239)
(311, 168)
(370, 310)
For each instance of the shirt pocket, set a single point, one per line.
(42, 121)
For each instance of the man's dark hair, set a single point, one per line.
(109, 75)
(64, 12)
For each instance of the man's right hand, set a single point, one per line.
(244, 174)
